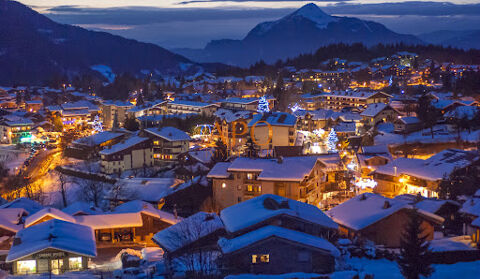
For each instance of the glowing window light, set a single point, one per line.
(26, 267)
(366, 183)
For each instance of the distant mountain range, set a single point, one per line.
(465, 39)
(303, 31)
(33, 49)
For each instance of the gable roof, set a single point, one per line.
(138, 206)
(48, 212)
(288, 169)
(250, 212)
(220, 170)
(274, 119)
(54, 234)
(373, 110)
(188, 231)
(367, 209)
(10, 219)
(128, 143)
(232, 245)
(81, 208)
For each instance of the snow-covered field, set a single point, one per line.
(381, 269)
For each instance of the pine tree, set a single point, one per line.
(250, 149)
(332, 141)
(115, 125)
(97, 124)
(414, 250)
(263, 105)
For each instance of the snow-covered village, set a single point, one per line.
(353, 159)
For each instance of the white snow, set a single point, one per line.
(55, 234)
(10, 219)
(253, 211)
(231, 245)
(315, 14)
(106, 71)
(28, 205)
(458, 243)
(128, 143)
(48, 212)
(169, 134)
(188, 231)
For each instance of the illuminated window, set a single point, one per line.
(249, 176)
(75, 263)
(224, 185)
(250, 188)
(261, 258)
(26, 267)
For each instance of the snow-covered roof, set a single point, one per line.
(191, 103)
(110, 221)
(147, 189)
(409, 120)
(286, 169)
(433, 205)
(188, 231)
(373, 110)
(128, 143)
(220, 170)
(463, 112)
(232, 245)
(434, 168)
(457, 243)
(81, 208)
(10, 219)
(354, 94)
(30, 206)
(346, 127)
(250, 212)
(366, 209)
(48, 212)
(471, 207)
(274, 119)
(230, 116)
(138, 206)
(169, 133)
(53, 234)
(203, 156)
(98, 138)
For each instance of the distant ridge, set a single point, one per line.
(302, 31)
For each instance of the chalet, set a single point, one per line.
(199, 232)
(33, 105)
(406, 125)
(53, 246)
(379, 113)
(87, 147)
(313, 120)
(11, 220)
(337, 100)
(81, 208)
(133, 153)
(270, 234)
(29, 206)
(181, 107)
(75, 114)
(413, 176)
(379, 219)
(273, 129)
(471, 213)
(297, 178)
(132, 222)
(168, 143)
(371, 157)
(149, 108)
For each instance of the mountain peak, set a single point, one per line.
(313, 13)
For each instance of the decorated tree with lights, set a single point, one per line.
(97, 124)
(263, 105)
(332, 141)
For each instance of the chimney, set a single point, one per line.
(280, 159)
(386, 205)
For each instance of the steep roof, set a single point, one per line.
(81, 208)
(231, 245)
(51, 212)
(128, 143)
(188, 231)
(366, 209)
(220, 170)
(138, 206)
(250, 212)
(98, 138)
(53, 234)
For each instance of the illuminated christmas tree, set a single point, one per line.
(97, 124)
(332, 141)
(263, 105)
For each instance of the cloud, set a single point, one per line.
(418, 8)
(244, 1)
